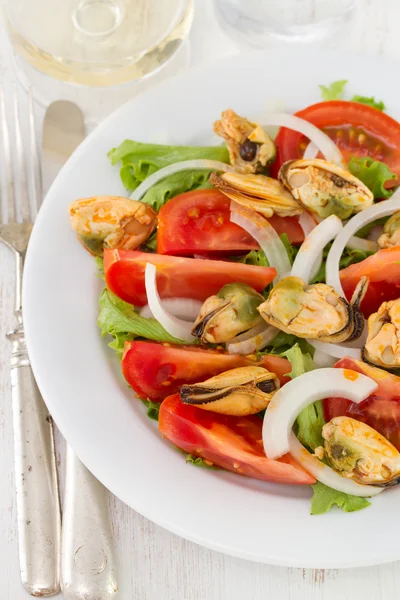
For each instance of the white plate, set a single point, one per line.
(79, 375)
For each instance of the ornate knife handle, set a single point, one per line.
(38, 508)
(88, 566)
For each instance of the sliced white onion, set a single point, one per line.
(307, 222)
(184, 165)
(242, 337)
(183, 308)
(296, 395)
(313, 246)
(323, 142)
(258, 340)
(311, 151)
(375, 233)
(335, 350)
(326, 475)
(321, 359)
(174, 326)
(356, 243)
(382, 209)
(266, 236)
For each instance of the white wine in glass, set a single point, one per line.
(98, 42)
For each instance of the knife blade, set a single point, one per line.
(88, 563)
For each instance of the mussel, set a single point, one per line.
(391, 232)
(111, 222)
(250, 147)
(382, 347)
(232, 311)
(238, 392)
(257, 192)
(359, 452)
(313, 311)
(324, 188)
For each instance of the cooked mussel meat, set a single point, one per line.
(391, 232)
(382, 347)
(260, 193)
(232, 311)
(324, 188)
(238, 392)
(359, 452)
(250, 147)
(312, 311)
(111, 222)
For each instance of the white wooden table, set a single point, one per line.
(155, 564)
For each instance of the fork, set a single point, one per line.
(38, 509)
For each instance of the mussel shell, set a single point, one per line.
(191, 394)
(200, 326)
(238, 392)
(322, 198)
(359, 452)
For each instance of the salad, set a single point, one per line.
(252, 294)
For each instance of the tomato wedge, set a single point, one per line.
(157, 370)
(233, 443)
(198, 222)
(383, 270)
(381, 410)
(279, 366)
(183, 277)
(356, 128)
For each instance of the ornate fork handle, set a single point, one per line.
(38, 511)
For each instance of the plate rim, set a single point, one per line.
(27, 315)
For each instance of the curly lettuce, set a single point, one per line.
(373, 173)
(139, 160)
(120, 320)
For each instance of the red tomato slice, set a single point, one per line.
(290, 226)
(383, 270)
(356, 128)
(279, 366)
(157, 370)
(380, 411)
(183, 277)
(233, 443)
(198, 222)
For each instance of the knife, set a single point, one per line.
(88, 564)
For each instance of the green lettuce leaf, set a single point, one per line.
(139, 160)
(369, 101)
(178, 183)
(153, 409)
(349, 257)
(324, 498)
(334, 91)
(308, 429)
(119, 319)
(118, 342)
(196, 461)
(301, 362)
(151, 243)
(373, 174)
(290, 249)
(256, 258)
(310, 421)
(285, 341)
(99, 267)
(364, 231)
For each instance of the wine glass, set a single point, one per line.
(107, 49)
